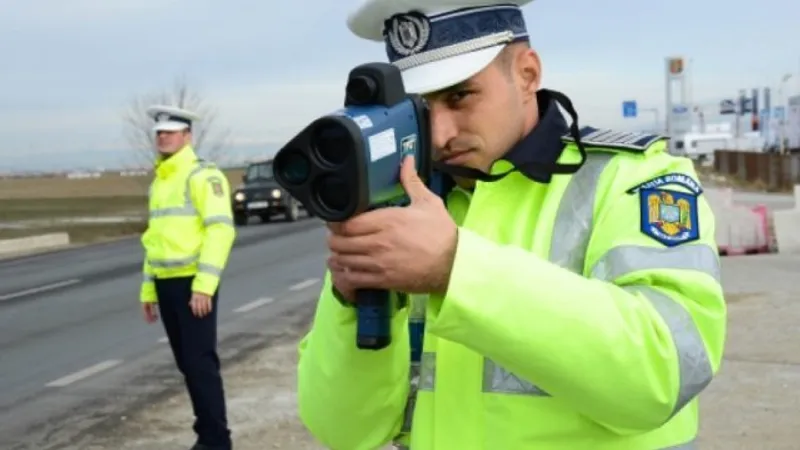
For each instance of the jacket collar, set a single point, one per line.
(169, 165)
(543, 145)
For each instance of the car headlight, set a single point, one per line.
(239, 196)
(276, 193)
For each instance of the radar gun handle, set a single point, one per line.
(374, 319)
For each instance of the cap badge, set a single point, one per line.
(163, 117)
(408, 33)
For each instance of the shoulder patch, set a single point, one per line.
(670, 217)
(620, 140)
(670, 179)
(216, 185)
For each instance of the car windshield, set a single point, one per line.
(259, 172)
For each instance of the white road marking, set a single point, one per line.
(38, 289)
(163, 340)
(85, 373)
(304, 284)
(254, 304)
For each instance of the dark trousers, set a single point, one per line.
(194, 346)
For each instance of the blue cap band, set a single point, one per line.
(413, 33)
(165, 117)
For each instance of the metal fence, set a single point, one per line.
(774, 171)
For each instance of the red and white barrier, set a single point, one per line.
(740, 230)
(787, 226)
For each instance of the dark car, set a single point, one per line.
(260, 195)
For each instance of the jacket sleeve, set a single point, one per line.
(351, 399)
(147, 293)
(211, 196)
(629, 342)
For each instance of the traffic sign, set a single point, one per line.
(629, 108)
(727, 106)
(680, 109)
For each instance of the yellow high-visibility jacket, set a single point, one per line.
(583, 314)
(190, 228)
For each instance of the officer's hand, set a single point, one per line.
(150, 311)
(407, 249)
(200, 304)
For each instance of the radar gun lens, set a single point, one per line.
(294, 167)
(332, 193)
(332, 143)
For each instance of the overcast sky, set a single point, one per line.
(68, 68)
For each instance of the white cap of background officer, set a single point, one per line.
(170, 118)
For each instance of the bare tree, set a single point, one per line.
(208, 139)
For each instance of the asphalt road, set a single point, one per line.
(71, 328)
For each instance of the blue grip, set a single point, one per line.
(374, 319)
(416, 330)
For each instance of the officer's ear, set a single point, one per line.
(528, 68)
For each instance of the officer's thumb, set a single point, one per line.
(411, 181)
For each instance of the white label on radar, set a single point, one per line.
(362, 121)
(382, 144)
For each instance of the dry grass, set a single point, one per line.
(38, 202)
(81, 233)
(109, 185)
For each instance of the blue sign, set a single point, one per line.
(778, 112)
(629, 108)
(764, 114)
(680, 109)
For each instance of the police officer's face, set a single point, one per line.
(169, 142)
(476, 122)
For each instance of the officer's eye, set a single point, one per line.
(456, 98)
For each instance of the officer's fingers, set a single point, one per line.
(353, 280)
(353, 245)
(358, 263)
(334, 227)
(412, 183)
(195, 306)
(340, 285)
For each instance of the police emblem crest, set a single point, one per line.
(408, 33)
(216, 186)
(670, 217)
(163, 117)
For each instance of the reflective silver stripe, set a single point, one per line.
(427, 372)
(209, 269)
(148, 278)
(173, 212)
(573, 224)
(575, 215)
(421, 375)
(411, 400)
(211, 220)
(498, 380)
(172, 263)
(694, 367)
(626, 259)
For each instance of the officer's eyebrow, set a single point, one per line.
(464, 85)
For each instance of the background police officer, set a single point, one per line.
(187, 242)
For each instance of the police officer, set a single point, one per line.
(187, 242)
(569, 283)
